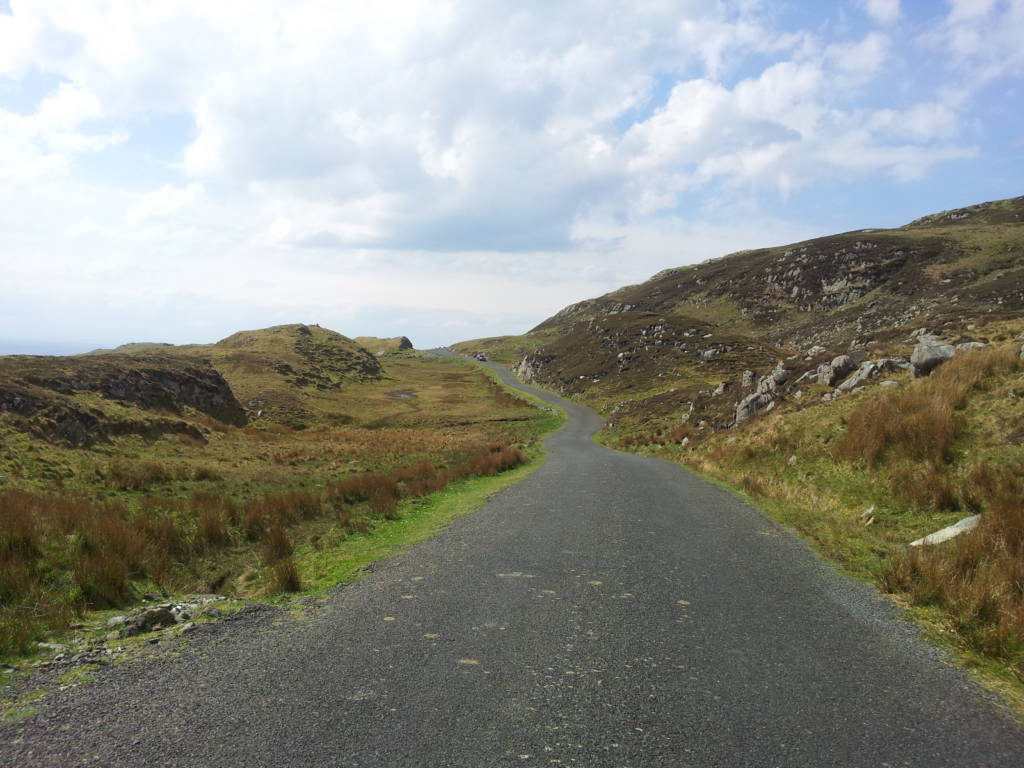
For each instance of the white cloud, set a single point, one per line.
(480, 140)
(883, 11)
(984, 38)
(164, 201)
(44, 143)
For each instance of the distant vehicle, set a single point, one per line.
(481, 357)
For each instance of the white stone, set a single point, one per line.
(948, 532)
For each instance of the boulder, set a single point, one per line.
(872, 369)
(150, 620)
(831, 372)
(748, 379)
(967, 346)
(814, 351)
(929, 354)
(750, 405)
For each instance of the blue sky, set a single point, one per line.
(177, 171)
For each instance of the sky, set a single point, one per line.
(178, 170)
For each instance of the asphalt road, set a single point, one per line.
(610, 610)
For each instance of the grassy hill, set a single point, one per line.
(785, 373)
(283, 374)
(381, 347)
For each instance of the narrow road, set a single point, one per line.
(610, 610)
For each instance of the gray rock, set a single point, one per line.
(814, 351)
(780, 375)
(967, 346)
(150, 620)
(869, 369)
(889, 383)
(117, 621)
(1022, 351)
(748, 379)
(831, 372)
(750, 405)
(929, 354)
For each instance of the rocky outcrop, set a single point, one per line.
(929, 354)
(768, 390)
(43, 392)
(872, 369)
(833, 371)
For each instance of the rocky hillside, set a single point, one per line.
(149, 389)
(278, 373)
(865, 389)
(81, 400)
(719, 341)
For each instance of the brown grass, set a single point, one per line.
(979, 576)
(60, 553)
(919, 423)
(286, 576)
(276, 545)
(139, 476)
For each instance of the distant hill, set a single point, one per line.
(276, 371)
(381, 347)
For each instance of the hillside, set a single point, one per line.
(381, 347)
(81, 400)
(864, 388)
(284, 373)
(698, 339)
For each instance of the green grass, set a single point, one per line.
(419, 519)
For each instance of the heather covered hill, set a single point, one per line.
(81, 400)
(697, 338)
(381, 347)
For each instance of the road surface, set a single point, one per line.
(610, 610)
